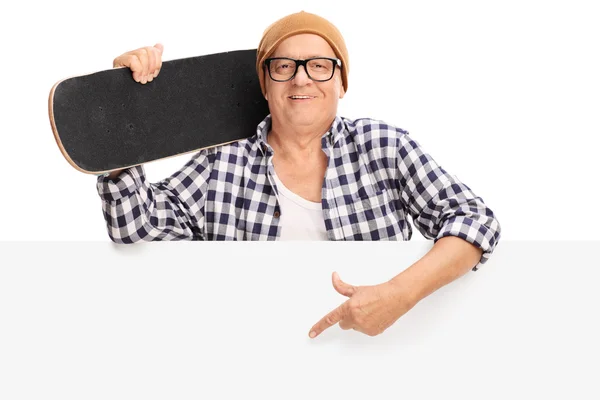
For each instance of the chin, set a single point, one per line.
(304, 119)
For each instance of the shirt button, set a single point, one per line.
(277, 214)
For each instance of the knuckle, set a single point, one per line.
(354, 308)
(142, 55)
(133, 61)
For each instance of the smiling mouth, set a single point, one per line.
(301, 97)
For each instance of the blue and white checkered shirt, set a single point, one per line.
(377, 176)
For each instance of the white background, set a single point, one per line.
(503, 95)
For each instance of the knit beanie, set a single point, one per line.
(293, 24)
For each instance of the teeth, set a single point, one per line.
(300, 97)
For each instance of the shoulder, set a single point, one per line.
(228, 157)
(244, 151)
(372, 132)
(239, 152)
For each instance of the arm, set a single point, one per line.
(449, 259)
(441, 205)
(372, 309)
(172, 209)
(465, 233)
(134, 209)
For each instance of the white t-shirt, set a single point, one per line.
(300, 219)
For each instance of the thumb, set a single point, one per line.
(342, 287)
(160, 47)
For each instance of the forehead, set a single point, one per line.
(303, 45)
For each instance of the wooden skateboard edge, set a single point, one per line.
(55, 130)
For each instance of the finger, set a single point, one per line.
(329, 320)
(346, 324)
(124, 60)
(143, 56)
(134, 64)
(363, 331)
(160, 50)
(151, 63)
(118, 62)
(342, 287)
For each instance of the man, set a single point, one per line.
(310, 174)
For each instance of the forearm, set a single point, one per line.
(136, 210)
(135, 219)
(450, 258)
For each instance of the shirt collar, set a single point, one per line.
(261, 134)
(336, 131)
(333, 134)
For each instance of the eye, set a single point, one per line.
(282, 65)
(320, 64)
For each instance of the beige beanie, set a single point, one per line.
(301, 22)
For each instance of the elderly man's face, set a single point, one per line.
(321, 106)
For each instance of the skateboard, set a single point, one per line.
(106, 121)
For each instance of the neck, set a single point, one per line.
(296, 141)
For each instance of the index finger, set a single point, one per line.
(329, 320)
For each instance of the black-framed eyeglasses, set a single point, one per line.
(319, 69)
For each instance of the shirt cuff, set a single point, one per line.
(483, 235)
(124, 185)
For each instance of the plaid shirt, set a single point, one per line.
(377, 176)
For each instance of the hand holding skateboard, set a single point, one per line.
(144, 63)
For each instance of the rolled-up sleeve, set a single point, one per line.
(173, 209)
(440, 204)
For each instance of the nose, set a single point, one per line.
(301, 78)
